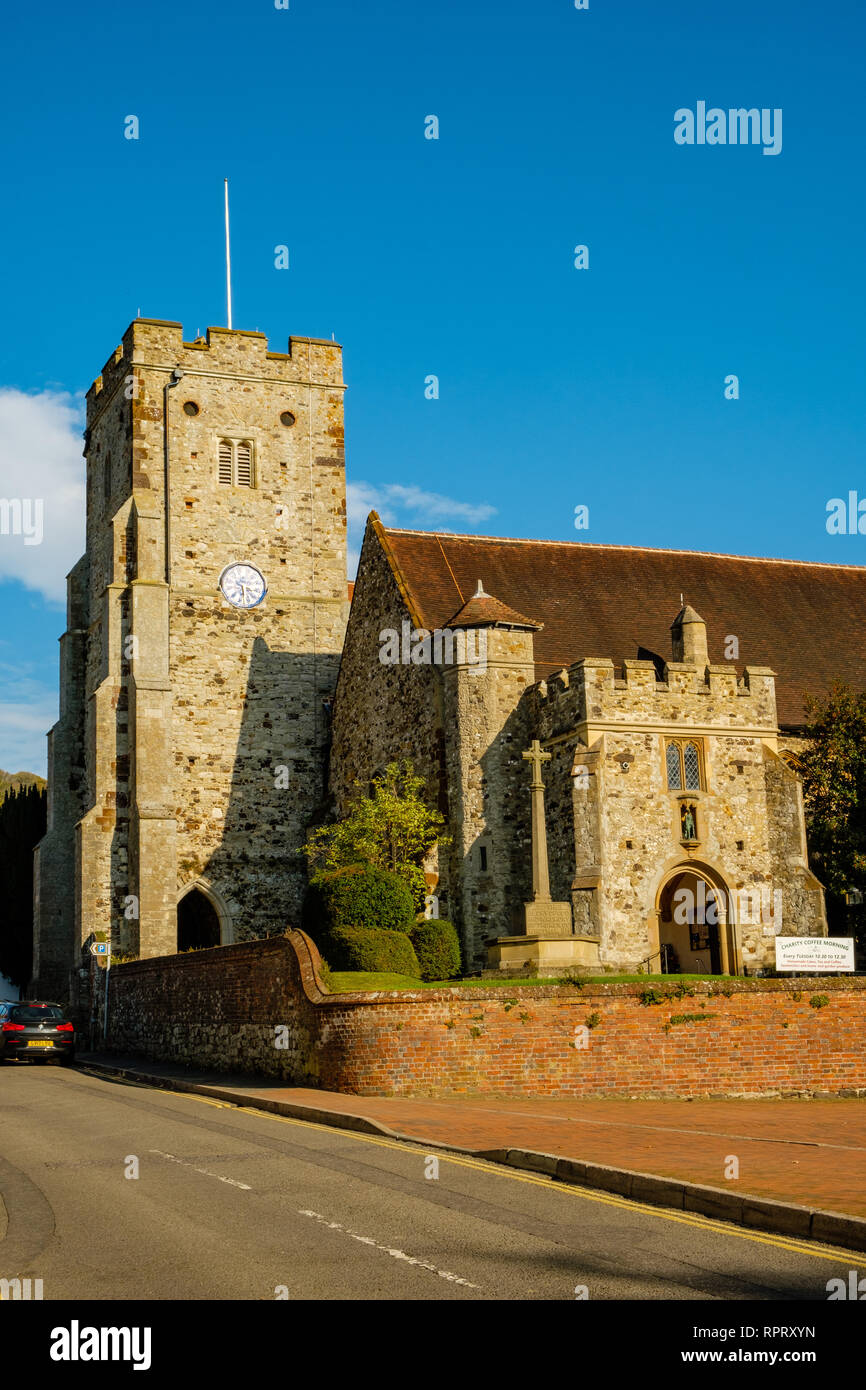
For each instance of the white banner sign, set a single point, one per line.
(814, 953)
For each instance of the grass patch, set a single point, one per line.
(638, 979)
(346, 981)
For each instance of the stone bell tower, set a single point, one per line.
(205, 622)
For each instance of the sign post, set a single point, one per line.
(105, 1010)
(103, 949)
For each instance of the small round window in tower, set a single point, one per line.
(190, 408)
(287, 418)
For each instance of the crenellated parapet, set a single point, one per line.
(592, 692)
(158, 344)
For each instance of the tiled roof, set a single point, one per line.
(806, 621)
(484, 610)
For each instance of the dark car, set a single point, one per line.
(31, 1031)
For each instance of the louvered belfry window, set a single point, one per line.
(236, 462)
(244, 455)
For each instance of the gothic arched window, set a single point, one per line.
(675, 781)
(692, 765)
(684, 764)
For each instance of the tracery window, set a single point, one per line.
(675, 778)
(684, 763)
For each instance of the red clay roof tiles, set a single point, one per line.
(806, 621)
(484, 610)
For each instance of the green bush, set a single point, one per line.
(437, 948)
(384, 952)
(358, 896)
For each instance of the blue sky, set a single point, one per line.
(558, 387)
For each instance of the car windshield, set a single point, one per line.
(36, 1013)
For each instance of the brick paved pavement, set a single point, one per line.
(812, 1152)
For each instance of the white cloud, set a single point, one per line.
(398, 504)
(28, 708)
(361, 499)
(391, 499)
(41, 463)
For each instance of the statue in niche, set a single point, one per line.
(689, 821)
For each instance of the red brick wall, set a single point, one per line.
(221, 1009)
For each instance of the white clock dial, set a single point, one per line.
(243, 586)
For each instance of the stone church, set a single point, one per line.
(672, 812)
(609, 731)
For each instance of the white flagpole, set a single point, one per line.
(228, 258)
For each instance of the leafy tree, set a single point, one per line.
(391, 828)
(833, 769)
(22, 825)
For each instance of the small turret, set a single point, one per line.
(483, 610)
(689, 638)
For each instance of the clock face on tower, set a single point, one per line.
(243, 586)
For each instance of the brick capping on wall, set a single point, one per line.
(221, 1009)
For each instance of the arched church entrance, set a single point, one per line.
(198, 922)
(694, 933)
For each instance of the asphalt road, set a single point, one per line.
(236, 1204)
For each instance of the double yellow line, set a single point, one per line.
(798, 1247)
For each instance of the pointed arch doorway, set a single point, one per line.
(201, 919)
(691, 923)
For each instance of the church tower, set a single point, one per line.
(205, 623)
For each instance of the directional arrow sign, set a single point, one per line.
(100, 948)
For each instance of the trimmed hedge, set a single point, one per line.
(385, 952)
(437, 948)
(358, 896)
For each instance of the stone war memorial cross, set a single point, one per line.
(544, 942)
(540, 876)
(542, 917)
